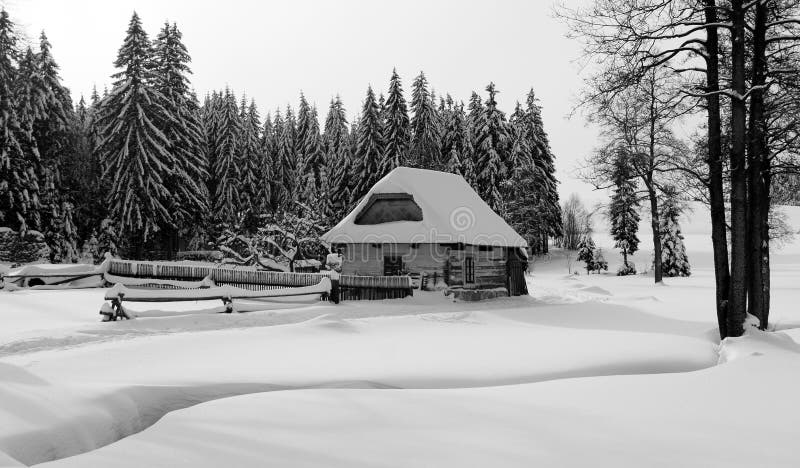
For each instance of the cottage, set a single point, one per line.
(416, 221)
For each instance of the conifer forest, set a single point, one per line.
(147, 167)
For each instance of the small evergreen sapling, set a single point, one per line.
(674, 261)
(599, 261)
(586, 250)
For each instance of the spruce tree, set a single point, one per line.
(303, 129)
(29, 100)
(251, 161)
(369, 148)
(455, 141)
(135, 153)
(276, 180)
(81, 173)
(397, 130)
(183, 129)
(493, 145)
(267, 169)
(338, 157)
(474, 122)
(18, 180)
(586, 254)
(227, 171)
(313, 150)
(210, 116)
(544, 161)
(425, 129)
(623, 211)
(674, 261)
(521, 190)
(286, 161)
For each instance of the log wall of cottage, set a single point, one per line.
(441, 259)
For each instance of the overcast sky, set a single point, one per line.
(273, 50)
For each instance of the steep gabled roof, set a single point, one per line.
(451, 212)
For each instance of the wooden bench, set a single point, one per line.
(226, 294)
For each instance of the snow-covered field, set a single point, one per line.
(589, 371)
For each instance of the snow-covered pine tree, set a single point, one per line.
(397, 130)
(134, 151)
(674, 261)
(303, 126)
(81, 173)
(184, 131)
(277, 194)
(586, 250)
(29, 100)
(227, 171)
(623, 211)
(369, 149)
(286, 161)
(251, 161)
(210, 118)
(455, 140)
(493, 146)
(19, 208)
(314, 154)
(425, 128)
(474, 121)
(338, 157)
(267, 153)
(523, 206)
(52, 126)
(544, 161)
(107, 240)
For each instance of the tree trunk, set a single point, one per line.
(715, 185)
(651, 193)
(756, 207)
(738, 294)
(765, 266)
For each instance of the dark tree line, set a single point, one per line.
(147, 168)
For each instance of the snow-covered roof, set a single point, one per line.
(451, 212)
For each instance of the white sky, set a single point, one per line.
(274, 49)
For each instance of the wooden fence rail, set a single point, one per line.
(350, 287)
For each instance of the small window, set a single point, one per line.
(469, 270)
(485, 248)
(392, 265)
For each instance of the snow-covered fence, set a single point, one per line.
(374, 287)
(172, 275)
(220, 275)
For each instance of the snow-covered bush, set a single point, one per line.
(283, 238)
(626, 270)
(674, 261)
(599, 262)
(586, 250)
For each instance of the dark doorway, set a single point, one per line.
(392, 265)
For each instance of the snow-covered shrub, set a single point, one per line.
(586, 250)
(282, 239)
(599, 262)
(625, 270)
(674, 261)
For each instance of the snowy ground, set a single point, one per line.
(590, 370)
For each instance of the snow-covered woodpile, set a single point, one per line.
(28, 248)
